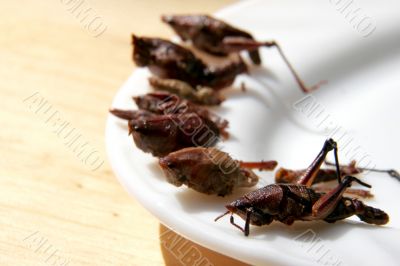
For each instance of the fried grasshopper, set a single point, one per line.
(165, 123)
(290, 202)
(166, 59)
(199, 95)
(210, 171)
(220, 38)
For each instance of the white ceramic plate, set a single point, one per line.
(359, 107)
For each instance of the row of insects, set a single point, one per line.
(174, 125)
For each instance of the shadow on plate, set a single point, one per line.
(303, 231)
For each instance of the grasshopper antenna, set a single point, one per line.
(220, 216)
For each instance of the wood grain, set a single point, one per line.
(54, 209)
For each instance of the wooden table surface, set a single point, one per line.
(61, 64)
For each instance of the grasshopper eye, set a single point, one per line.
(171, 164)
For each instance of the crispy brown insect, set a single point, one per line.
(198, 95)
(290, 202)
(391, 172)
(217, 37)
(207, 33)
(284, 176)
(210, 171)
(166, 123)
(166, 59)
(165, 103)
